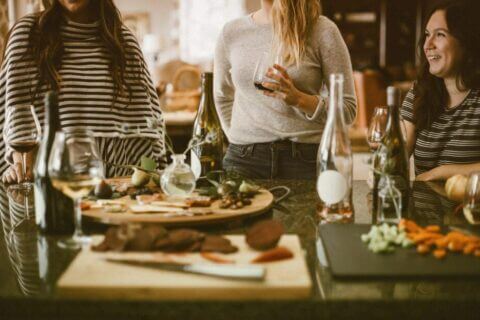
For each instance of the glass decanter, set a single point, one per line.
(178, 179)
(389, 207)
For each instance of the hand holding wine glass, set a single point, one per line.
(21, 133)
(75, 168)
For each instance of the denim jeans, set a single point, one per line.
(273, 160)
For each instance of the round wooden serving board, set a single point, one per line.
(261, 203)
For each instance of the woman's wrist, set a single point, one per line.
(307, 103)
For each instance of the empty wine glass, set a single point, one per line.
(22, 133)
(471, 203)
(376, 129)
(75, 168)
(266, 61)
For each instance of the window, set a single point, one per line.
(200, 24)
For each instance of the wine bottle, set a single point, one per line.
(53, 210)
(392, 157)
(207, 155)
(334, 161)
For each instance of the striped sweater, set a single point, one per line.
(86, 97)
(453, 138)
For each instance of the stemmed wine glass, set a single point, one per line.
(376, 129)
(22, 133)
(471, 203)
(75, 168)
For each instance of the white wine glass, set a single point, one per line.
(75, 169)
(22, 133)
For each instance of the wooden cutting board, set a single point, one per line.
(90, 276)
(261, 203)
(349, 257)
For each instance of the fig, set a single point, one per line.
(140, 178)
(248, 188)
(103, 190)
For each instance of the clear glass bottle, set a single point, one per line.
(334, 161)
(389, 207)
(178, 179)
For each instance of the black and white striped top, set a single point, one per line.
(453, 138)
(86, 98)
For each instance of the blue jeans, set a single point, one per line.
(273, 160)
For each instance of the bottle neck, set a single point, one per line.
(335, 109)
(207, 94)
(393, 120)
(178, 158)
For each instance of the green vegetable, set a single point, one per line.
(384, 238)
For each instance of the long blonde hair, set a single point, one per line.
(293, 21)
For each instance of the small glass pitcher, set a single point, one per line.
(178, 179)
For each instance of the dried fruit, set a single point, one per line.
(265, 234)
(103, 190)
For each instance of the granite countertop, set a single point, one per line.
(30, 264)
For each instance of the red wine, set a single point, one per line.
(260, 86)
(23, 146)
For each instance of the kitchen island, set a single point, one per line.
(30, 265)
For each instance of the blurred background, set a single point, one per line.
(178, 39)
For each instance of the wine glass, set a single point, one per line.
(75, 168)
(376, 129)
(22, 133)
(265, 61)
(471, 202)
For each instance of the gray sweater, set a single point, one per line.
(248, 116)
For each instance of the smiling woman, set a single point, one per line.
(442, 110)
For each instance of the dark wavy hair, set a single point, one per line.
(47, 47)
(430, 92)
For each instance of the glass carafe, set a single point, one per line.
(178, 179)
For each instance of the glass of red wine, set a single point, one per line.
(266, 60)
(22, 134)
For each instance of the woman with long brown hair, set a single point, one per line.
(442, 110)
(82, 50)
(275, 132)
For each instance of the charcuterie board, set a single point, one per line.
(260, 203)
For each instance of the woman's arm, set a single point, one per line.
(409, 136)
(444, 172)
(224, 90)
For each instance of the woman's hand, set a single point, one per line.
(14, 174)
(285, 90)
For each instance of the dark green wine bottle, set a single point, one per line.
(207, 155)
(53, 210)
(392, 157)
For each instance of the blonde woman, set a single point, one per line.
(275, 134)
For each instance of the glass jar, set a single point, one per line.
(178, 179)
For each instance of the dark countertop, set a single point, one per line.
(30, 264)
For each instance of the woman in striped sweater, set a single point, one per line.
(442, 111)
(82, 49)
